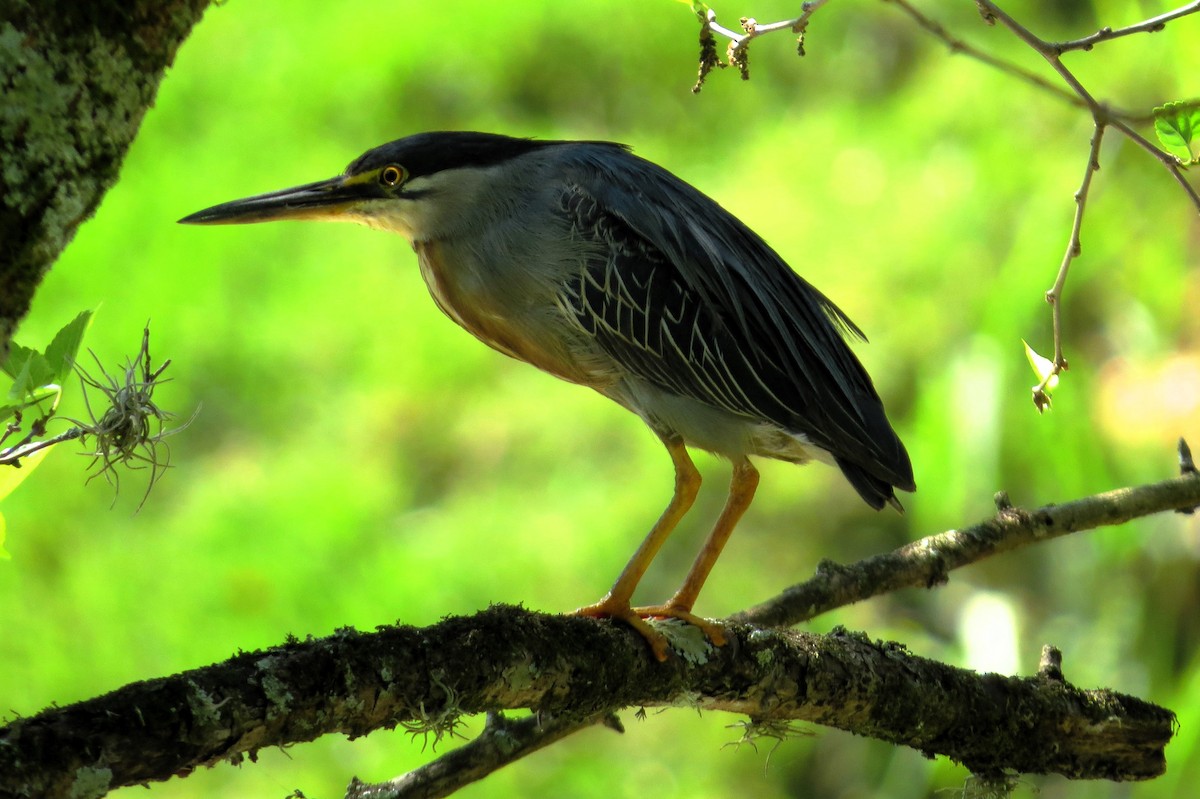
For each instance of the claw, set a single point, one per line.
(636, 618)
(712, 630)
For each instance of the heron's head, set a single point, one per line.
(400, 186)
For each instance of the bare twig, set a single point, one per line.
(1041, 397)
(12, 456)
(800, 23)
(927, 562)
(12, 428)
(1101, 114)
(503, 741)
(1102, 117)
(752, 29)
(1169, 162)
(1152, 25)
(738, 51)
(958, 45)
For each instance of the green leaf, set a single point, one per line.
(1177, 125)
(30, 371)
(36, 376)
(62, 350)
(17, 357)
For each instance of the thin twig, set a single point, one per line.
(927, 562)
(12, 428)
(1152, 25)
(1102, 116)
(757, 29)
(738, 51)
(503, 741)
(800, 24)
(1044, 49)
(958, 45)
(12, 455)
(1101, 113)
(1170, 162)
(1041, 399)
(752, 29)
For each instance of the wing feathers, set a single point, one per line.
(708, 310)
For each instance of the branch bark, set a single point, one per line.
(574, 672)
(568, 668)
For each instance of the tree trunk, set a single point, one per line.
(77, 79)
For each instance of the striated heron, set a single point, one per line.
(606, 270)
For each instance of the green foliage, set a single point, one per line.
(32, 378)
(60, 355)
(37, 387)
(1177, 125)
(37, 381)
(39, 376)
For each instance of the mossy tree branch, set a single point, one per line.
(573, 672)
(565, 669)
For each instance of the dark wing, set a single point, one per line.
(686, 296)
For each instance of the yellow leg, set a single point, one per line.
(616, 603)
(741, 493)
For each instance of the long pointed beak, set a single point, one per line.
(326, 199)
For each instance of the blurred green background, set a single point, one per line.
(358, 459)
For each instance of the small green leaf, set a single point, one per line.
(1177, 125)
(30, 371)
(17, 357)
(1042, 367)
(38, 377)
(62, 350)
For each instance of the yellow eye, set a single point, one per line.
(391, 175)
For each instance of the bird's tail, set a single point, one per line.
(874, 490)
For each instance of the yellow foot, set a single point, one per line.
(712, 630)
(636, 618)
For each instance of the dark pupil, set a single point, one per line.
(391, 175)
